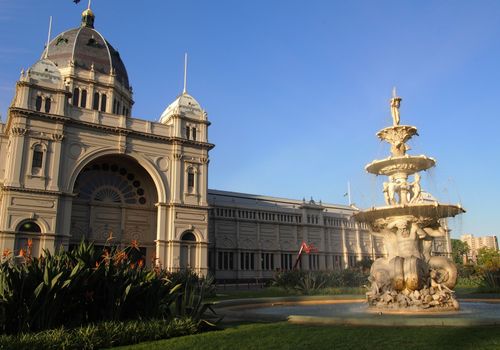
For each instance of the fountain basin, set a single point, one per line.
(405, 164)
(473, 312)
(433, 211)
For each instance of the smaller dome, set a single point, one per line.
(184, 105)
(45, 72)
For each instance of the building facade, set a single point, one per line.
(75, 165)
(476, 243)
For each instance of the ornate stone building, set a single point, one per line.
(74, 164)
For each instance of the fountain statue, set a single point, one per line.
(409, 276)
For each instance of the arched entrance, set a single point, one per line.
(114, 204)
(188, 251)
(27, 239)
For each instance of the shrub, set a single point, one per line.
(308, 282)
(85, 286)
(100, 335)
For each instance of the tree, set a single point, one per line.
(459, 249)
(488, 258)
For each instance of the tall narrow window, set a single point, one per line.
(188, 129)
(190, 180)
(103, 102)
(38, 103)
(37, 161)
(47, 104)
(83, 102)
(95, 102)
(76, 96)
(194, 133)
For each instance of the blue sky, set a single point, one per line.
(296, 90)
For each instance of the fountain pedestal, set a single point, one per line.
(409, 276)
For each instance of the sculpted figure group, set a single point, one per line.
(409, 266)
(406, 192)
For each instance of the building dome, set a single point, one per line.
(184, 105)
(86, 48)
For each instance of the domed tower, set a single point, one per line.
(76, 165)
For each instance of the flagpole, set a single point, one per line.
(349, 192)
(48, 38)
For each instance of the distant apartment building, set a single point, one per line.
(476, 243)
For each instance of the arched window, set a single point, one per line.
(38, 103)
(103, 103)
(76, 96)
(29, 227)
(189, 237)
(37, 161)
(47, 104)
(95, 102)
(83, 102)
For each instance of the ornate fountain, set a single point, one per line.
(409, 277)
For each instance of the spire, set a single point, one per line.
(88, 17)
(48, 38)
(185, 72)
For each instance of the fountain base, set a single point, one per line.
(427, 299)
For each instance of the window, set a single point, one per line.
(37, 160)
(247, 261)
(313, 262)
(194, 133)
(190, 180)
(225, 260)
(38, 103)
(267, 261)
(47, 104)
(83, 102)
(103, 102)
(95, 102)
(76, 96)
(188, 132)
(286, 261)
(29, 227)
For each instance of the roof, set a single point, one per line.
(85, 47)
(184, 105)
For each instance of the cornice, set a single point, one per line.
(31, 190)
(14, 111)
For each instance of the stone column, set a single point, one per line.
(177, 188)
(161, 234)
(13, 175)
(56, 161)
(359, 253)
(344, 248)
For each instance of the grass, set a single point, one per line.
(270, 292)
(289, 336)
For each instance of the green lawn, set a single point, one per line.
(269, 292)
(288, 336)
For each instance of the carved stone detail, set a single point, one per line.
(57, 137)
(18, 131)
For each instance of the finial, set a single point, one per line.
(88, 17)
(185, 72)
(48, 38)
(395, 102)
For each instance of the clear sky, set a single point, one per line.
(296, 90)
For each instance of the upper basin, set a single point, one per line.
(405, 164)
